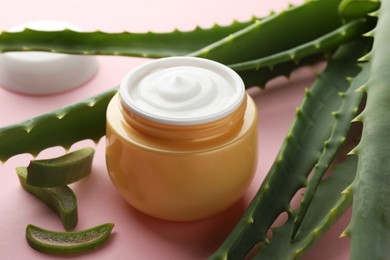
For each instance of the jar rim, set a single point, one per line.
(171, 62)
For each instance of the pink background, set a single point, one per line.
(135, 235)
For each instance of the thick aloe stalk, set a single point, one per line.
(369, 228)
(328, 204)
(64, 127)
(300, 151)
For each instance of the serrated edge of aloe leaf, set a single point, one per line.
(61, 170)
(59, 241)
(55, 198)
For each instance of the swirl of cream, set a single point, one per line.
(182, 94)
(181, 91)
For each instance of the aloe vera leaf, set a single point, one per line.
(348, 110)
(297, 156)
(175, 43)
(64, 127)
(62, 170)
(328, 204)
(369, 228)
(279, 32)
(258, 72)
(324, 43)
(61, 200)
(352, 9)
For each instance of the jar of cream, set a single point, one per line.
(181, 138)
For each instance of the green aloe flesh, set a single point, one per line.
(299, 153)
(65, 243)
(260, 50)
(61, 170)
(61, 200)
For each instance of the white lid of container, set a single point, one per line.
(43, 73)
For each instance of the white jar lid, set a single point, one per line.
(42, 73)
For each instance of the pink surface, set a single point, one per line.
(137, 236)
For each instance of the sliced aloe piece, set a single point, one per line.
(52, 242)
(62, 200)
(62, 170)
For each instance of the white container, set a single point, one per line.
(43, 73)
